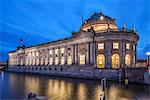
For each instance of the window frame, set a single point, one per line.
(101, 46)
(115, 45)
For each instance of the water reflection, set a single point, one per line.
(16, 86)
(82, 91)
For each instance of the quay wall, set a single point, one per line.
(137, 75)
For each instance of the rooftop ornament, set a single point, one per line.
(124, 27)
(108, 27)
(134, 29)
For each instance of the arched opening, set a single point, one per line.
(115, 59)
(127, 60)
(101, 61)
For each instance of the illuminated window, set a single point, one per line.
(56, 51)
(51, 58)
(56, 60)
(100, 46)
(62, 50)
(115, 61)
(62, 62)
(134, 47)
(51, 61)
(50, 52)
(37, 57)
(69, 60)
(115, 45)
(127, 45)
(82, 59)
(127, 60)
(56, 56)
(101, 61)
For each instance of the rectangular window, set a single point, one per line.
(62, 60)
(62, 50)
(69, 61)
(50, 52)
(127, 45)
(56, 51)
(115, 45)
(56, 61)
(51, 61)
(100, 46)
(82, 59)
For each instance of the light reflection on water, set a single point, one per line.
(17, 86)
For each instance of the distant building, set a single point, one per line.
(98, 44)
(141, 63)
(3, 64)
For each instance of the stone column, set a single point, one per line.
(59, 58)
(65, 54)
(48, 57)
(73, 53)
(41, 57)
(33, 57)
(131, 55)
(123, 53)
(30, 58)
(38, 63)
(91, 53)
(108, 51)
(53, 56)
(135, 54)
(88, 54)
(94, 53)
(76, 54)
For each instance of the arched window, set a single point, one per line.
(127, 60)
(115, 60)
(100, 61)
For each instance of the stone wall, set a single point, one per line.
(134, 74)
(138, 75)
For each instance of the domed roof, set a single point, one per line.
(99, 22)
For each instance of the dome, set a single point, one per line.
(99, 22)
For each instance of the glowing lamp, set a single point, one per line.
(148, 53)
(101, 17)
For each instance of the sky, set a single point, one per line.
(39, 21)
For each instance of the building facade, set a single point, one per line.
(98, 44)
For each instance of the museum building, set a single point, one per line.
(98, 44)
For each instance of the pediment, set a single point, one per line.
(84, 34)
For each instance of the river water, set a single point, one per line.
(15, 86)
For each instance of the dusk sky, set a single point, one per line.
(39, 21)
